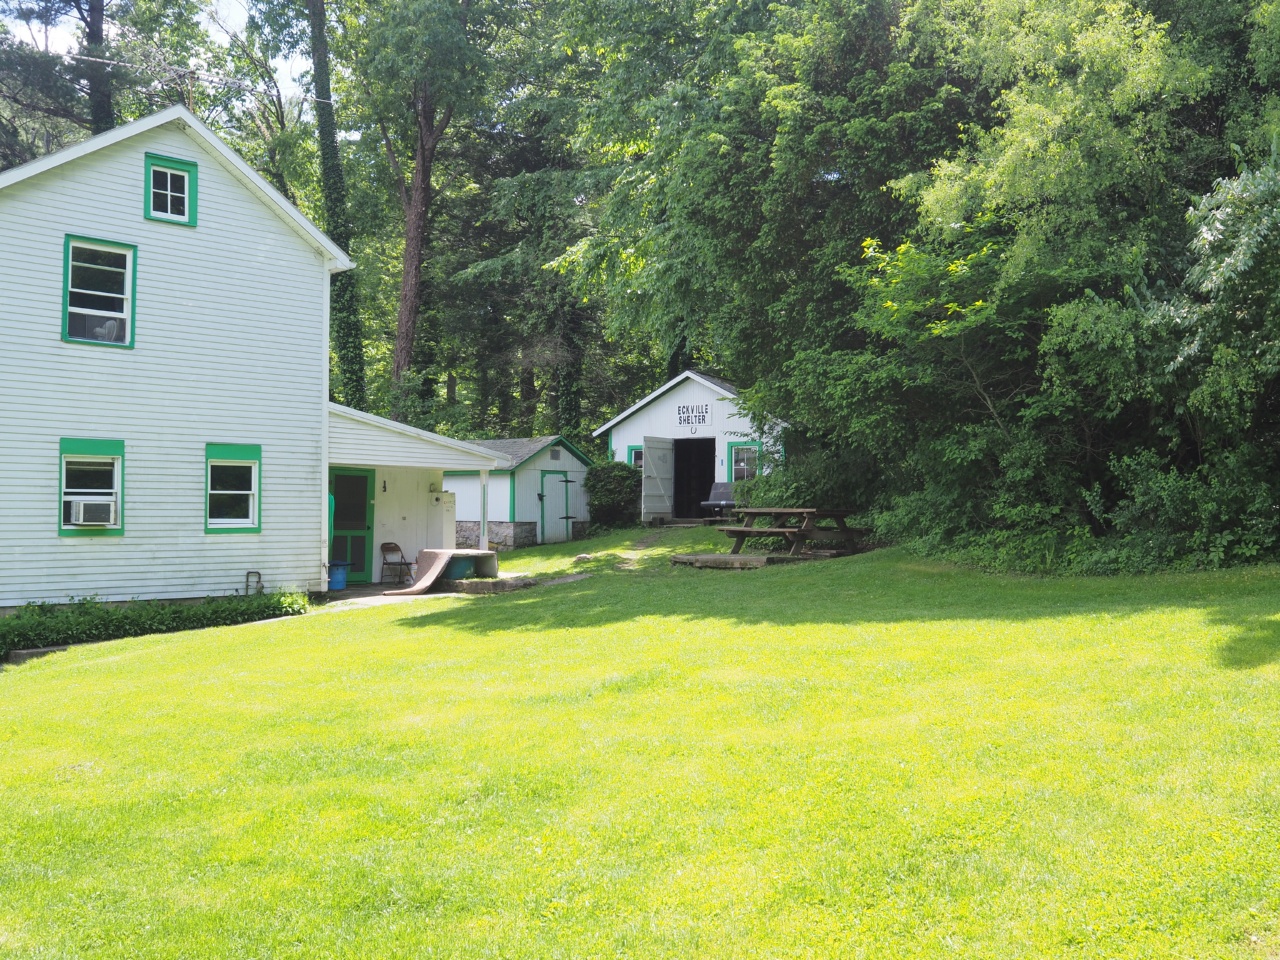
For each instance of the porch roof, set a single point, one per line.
(362, 439)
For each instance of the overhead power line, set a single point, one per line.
(174, 72)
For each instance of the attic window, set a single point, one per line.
(555, 453)
(171, 190)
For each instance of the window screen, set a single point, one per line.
(98, 293)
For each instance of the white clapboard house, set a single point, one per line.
(685, 436)
(164, 372)
(538, 499)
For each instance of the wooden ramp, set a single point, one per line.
(734, 561)
(431, 564)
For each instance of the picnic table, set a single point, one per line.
(795, 525)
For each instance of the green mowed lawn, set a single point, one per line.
(876, 756)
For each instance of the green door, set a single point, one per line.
(554, 504)
(352, 540)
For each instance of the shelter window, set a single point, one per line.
(744, 460)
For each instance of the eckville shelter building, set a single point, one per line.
(164, 378)
(539, 499)
(685, 436)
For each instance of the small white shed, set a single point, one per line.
(685, 436)
(539, 499)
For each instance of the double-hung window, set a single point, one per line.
(744, 460)
(233, 474)
(99, 283)
(171, 194)
(92, 487)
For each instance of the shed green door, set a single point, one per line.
(352, 540)
(554, 502)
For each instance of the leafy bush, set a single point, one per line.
(613, 489)
(831, 479)
(89, 619)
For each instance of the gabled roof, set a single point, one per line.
(723, 387)
(188, 123)
(500, 461)
(521, 449)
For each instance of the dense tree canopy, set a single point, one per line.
(1009, 268)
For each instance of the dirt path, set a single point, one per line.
(633, 555)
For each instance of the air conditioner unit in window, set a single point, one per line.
(93, 513)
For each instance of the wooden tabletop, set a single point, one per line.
(770, 511)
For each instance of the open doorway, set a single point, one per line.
(695, 472)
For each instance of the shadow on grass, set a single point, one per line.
(885, 587)
(1255, 644)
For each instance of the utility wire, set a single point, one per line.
(175, 72)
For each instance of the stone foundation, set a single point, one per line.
(578, 530)
(503, 535)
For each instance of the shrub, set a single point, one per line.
(89, 619)
(810, 478)
(613, 489)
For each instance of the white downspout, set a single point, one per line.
(484, 509)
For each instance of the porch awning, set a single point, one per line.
(361, 439)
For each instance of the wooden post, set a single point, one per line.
(484, 509)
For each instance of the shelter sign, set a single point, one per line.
(692, 417)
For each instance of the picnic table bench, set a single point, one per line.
(795, 525)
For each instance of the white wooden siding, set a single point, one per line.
(467, 489)
(231, 346)
(408, 512)
(661, 418)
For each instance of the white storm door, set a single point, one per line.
(659, 479)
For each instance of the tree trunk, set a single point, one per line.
(416, 200)
(344, 306)
(102, 115)
(528, 408)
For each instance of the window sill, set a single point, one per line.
(97, 343)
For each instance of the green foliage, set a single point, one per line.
(1039, 363)
(613, 491)
(90, 620)
(838, 479)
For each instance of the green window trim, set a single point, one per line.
(733, 445)
(132, 251)
(98, 449)
(631, 453)
(192, 172)
(234, 453)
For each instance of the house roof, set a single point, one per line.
(723, 387)
(184, 120)
(520, 449)
(500, 460)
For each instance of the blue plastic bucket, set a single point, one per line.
(460, 568)
(338, 575)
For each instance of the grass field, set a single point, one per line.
(869, 757)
